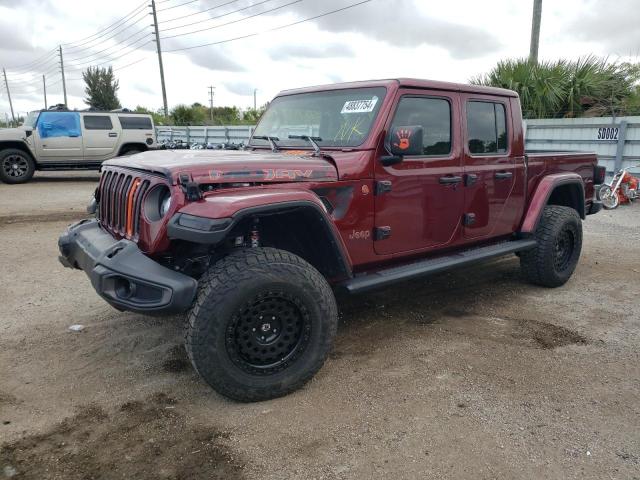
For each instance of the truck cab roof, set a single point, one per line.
(407, 83)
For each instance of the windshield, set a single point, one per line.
(339, 118)
(30, 121)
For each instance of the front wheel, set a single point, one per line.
(608, 197)
(559, 235)
(262, 324)
(16, 166)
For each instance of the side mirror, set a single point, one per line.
(406, 140)
(28, 131)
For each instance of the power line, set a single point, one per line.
(111, 60)
(143, 30)
(79, 48)
(31, 64)
(198, 13)
(220, 16)
(103, 31)
(272, 29)
(176, 6)
(233, 21)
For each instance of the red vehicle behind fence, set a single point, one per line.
(345, 187)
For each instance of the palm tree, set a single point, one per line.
(563, 88)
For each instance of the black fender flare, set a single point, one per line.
(210, 231)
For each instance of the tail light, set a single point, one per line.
(599, 174)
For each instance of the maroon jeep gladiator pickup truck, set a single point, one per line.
(345, 187)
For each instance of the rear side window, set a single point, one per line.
(135, 123)
(486, 127)
(97, 122)
(434, 115)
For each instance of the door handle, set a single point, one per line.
(113, 134)
(503, 175)
(450, 180)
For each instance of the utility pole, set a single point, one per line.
(6, 84)
(64, 82)
(159, 49)
(535, 31)
(255, 105)
(44, 89)
(211, 101)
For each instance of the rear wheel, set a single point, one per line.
(559, 237)
(262, 325)
(16, 166)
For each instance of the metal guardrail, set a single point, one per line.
(202, 134)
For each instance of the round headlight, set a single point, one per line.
(157, 203)
(165, 203)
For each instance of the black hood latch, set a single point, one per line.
(190, 188)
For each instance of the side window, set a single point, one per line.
(434, 115)
(97, 122)
(486, 127)
(135, 123)
(59, 124)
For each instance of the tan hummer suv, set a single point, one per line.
(70, 140)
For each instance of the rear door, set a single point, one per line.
(100, 136)
(58, 137)
(490, 169)
(419, 201)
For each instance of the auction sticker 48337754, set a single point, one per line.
(359, 106)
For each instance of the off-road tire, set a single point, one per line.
(14, 157)
(232, 297)
(559, 235)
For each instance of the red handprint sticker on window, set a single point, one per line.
(404, 136)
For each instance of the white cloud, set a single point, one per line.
(451, 40)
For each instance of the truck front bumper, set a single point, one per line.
(121, 274)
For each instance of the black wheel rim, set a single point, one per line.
(15, 166)
(268, 333)
(564, 246)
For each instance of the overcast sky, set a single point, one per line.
(451, 40)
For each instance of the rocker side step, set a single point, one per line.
(368, 281)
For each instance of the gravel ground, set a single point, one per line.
(472, 374)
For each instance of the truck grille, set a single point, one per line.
(120, 198)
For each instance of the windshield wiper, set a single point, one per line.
(272, 141)
(311, 140)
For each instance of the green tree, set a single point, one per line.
(588, 86)
(101, 88)
(187, 115)
(157, 115)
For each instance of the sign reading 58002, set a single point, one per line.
(608, 133)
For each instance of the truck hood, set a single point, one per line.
(233, 166)
(12, 133)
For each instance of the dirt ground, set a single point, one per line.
(472, 374)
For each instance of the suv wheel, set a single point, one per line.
(16, 166)
(559, 236)
(262, 324)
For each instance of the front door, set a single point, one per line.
(419, 201)
(490, 170)
(100, 137)
(58, 137)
